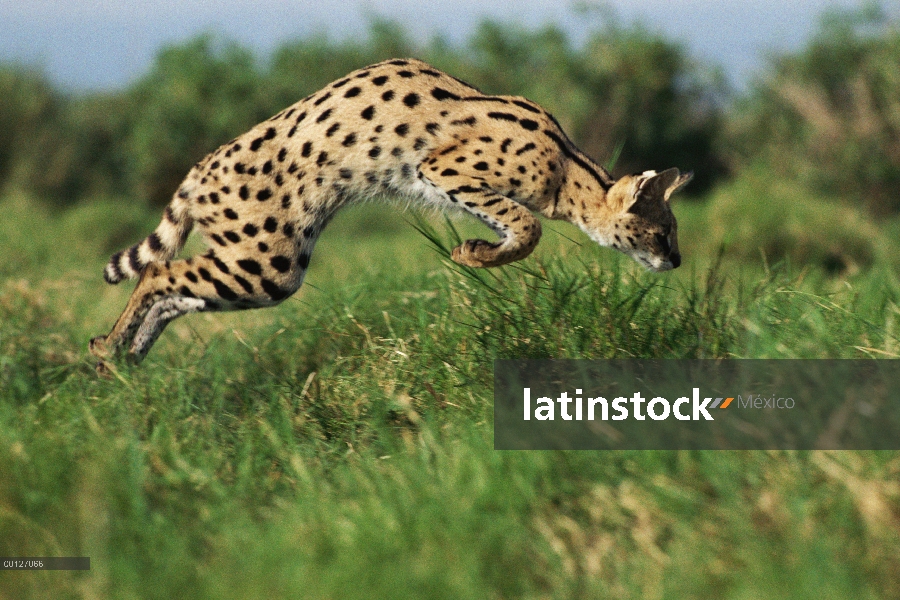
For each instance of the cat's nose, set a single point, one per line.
(675, 258)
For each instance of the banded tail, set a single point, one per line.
(163, 244)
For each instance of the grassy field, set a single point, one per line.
(340, 445)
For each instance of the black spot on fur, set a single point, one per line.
(480, 166)
(503, 116)
(388, 96)
(154, 242)
(449, 172)
(375, 152)
(307, 149)
(322, 158)
(432, 128)
(274, 292)
(250, 265)
(224, 291)
(303, 260)
(346, 173)
(239, 168)
(526, 106)
(263, 195)
(368, 113)
(230, 214)
(331, 130)
(250, 229)
(271, 224)
(191, 277)
(280, 263)
(325, 114)
(402, 129)
(420, 143)
(219, 264)
(349, 140)
(442, 94)
(380, 80)
(528, 124)
(217, 239)
(321, 100)
(411, 99)
(352, 92)
(232, 236)
(527, 147)
(248, 287)
(470, 120)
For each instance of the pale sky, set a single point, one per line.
(91, 44)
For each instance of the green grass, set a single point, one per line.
(340, 445)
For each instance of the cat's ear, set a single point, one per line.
(682, 180)
(650, 186)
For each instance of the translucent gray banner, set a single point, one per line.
(45, 563)
(697, 404)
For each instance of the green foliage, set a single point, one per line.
(197, 97)
(829, 117)
(340, 445)
(626, 89)
(756, 219)
(27, 104)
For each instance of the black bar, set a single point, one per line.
(45, 563)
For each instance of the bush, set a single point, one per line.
(829, 116)
(757, 219)
(28, 106)
(626, 89)
(197, 97)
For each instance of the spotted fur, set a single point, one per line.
(399, 128)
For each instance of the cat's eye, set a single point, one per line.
(663, 242)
